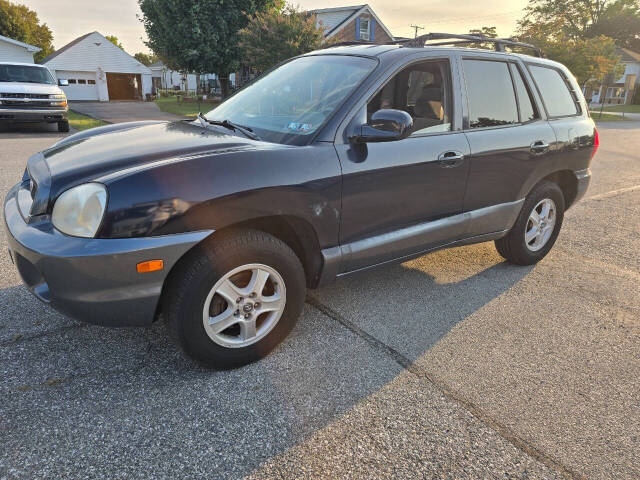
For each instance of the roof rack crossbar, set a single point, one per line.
(459, 39)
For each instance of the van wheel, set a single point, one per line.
(235, 298)
(63, 126)
(536, 228)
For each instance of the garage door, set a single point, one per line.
(82, 85)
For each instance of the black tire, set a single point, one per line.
(63, 126)
(190, 284)
(513, 246)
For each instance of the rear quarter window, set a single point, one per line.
(554, 90)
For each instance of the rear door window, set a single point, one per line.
(492, 99)
(556, 96)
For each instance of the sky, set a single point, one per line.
(69, 19)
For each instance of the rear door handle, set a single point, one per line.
(539, 147)
(450, 159)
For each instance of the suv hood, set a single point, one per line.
(96, 153)
(36, 88)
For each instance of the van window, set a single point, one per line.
(554, 90)
(423, 91)
(525, 100)
(492, 100)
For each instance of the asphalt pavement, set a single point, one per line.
(454, 365)
(123, 111)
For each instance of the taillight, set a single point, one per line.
(596, 142)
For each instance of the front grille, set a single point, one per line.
(31, 104)
(24, 95)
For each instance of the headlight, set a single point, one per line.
(58, 96)
(78, 211)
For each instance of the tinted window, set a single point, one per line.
(423, 91)
(527, 110)
(492, 100)
(555, 93)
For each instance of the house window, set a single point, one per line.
(71, 80)
(91, 82)
(81, 81)
(365, 26)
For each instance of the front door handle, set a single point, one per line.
(539, 147)
(450, 159)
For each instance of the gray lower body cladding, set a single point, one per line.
(92, 280)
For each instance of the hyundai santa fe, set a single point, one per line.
(331, 163)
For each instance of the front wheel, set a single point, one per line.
(536, 228)
(235, 298)
(63, 126)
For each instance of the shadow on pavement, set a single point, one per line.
(71, 389)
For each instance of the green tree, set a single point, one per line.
(570, 31)
(198, 36)
(113, 39)
(147, 59)
(486, 31)
(581, 19)
(277, 34)
(20, 23)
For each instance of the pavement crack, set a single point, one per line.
(27, 338)
(500, 428)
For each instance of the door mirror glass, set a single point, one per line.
(386, 125)
(63, 82)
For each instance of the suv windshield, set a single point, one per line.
(293, 101)
(25, 74)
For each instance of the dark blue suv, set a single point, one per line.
(331, 163)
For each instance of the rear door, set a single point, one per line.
(509, 137)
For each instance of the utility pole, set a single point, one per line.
(415, 29)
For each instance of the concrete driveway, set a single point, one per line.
(454, 365)
(116, 112)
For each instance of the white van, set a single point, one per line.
(28, 93)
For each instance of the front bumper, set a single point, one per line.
(32, 115)
(92, 280)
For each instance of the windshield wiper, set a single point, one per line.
(246, 131)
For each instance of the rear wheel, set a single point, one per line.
(536, 228)
(236, 298)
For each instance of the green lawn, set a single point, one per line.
(607, 117)
(82, 122)
(620, 108)
(171, 105)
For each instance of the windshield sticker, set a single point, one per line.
(299, 127)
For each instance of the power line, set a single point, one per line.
(415, 30)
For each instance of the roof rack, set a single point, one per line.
(461, 39)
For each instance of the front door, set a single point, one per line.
(404, 197)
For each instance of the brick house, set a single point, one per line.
(352, 24)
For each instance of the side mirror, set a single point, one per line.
(386, 125)
(63, 82)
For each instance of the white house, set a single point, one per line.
(98, 70)
(616, 93)
(165, 78)
(356, 23)
(14, 51)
